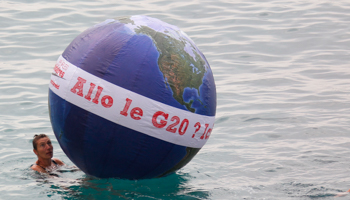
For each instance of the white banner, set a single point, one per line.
(128, 108)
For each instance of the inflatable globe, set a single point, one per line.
(132, 98)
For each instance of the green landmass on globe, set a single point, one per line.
(174, 62)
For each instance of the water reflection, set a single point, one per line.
(175, 186)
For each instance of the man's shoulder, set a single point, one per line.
(37, 168)
(58, 161)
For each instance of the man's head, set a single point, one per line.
(42, 146)
(36, 138)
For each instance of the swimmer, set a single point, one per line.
(43, 148)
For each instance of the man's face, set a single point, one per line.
(44, 148)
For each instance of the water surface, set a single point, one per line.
(283, 83)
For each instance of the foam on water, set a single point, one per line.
(282, 77)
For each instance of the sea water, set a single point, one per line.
(282, 72)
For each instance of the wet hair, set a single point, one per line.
(36, 138)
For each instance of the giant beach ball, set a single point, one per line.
(132, 98)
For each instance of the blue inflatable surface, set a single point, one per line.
(132, 98)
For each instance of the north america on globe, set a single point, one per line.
(179, 61)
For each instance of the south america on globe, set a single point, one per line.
(132, 98)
